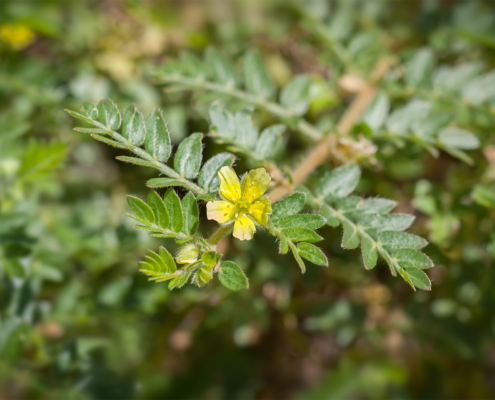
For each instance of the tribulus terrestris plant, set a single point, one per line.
(280, 200)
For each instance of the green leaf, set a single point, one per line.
(289, 206)
(211, 258)
(92, 130)
(483, 196)
(223, 121)
(110, 142)
(451, 79)
(174, 209)
(79, 116)
(180, 280)
(417, 277)
(295, 96)
(220, 68)
(157, 141)
(370, 255)
(141, 209)
(167, 182)
(411, 258)
(193, 65)
(312, 253)
(232, 277)
(246, 132)
(156, 265)
(387, 222)
(297, 256)
(269, 141)
(480, 89)
(137, 161)
(302, 235)
(310, 221)
(208, 177)
(168, 260)
(400, 240)
(109, 114)
(377, 111)
(256, 76)
(330, 216)
(350, 239)
(458, 139)
(90, 109)
(189, 155)
(190, 214)
(376, 205)
(134, 127)
(162, 218)
(419, 68)
(340, 182)
(401, 120)
(12, 338)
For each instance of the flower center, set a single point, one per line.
(243, 205)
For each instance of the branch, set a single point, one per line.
(302, 126)
(320, 153)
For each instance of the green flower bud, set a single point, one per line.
(187, 254)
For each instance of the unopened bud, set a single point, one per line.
(187, 254)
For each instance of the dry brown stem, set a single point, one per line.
(320, 153)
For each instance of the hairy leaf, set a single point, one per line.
(109, 114)
(312, 253)
(134, 127)
(189, 155)
(310, 221)
(157, 141)
(232, 277)
(141, 209)
(295, 95)
(162, 218)
(289, 206)
(174, 209)
(302, 235)
(208, 177)
(339, 182)
(411, 258)
(270, 141)
(190, 214)
(256, 77)
(400, 240)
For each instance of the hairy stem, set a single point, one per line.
(165, 169)
(302, 126)
(222, 231)
(319, 154)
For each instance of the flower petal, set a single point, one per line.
(244, 228)
(255, 184)
(220, 211)
(260, 209)
(230, 188)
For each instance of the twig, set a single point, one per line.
(320, 153)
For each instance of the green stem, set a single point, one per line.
(166, 170)
(361, 232)
(302, 126)
(222, 231)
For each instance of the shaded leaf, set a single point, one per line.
(174, 209)
(312, 253)
(189, 156)
(141, 209)
(232, 277)
(157, 141)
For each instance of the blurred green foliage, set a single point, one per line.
(77, 320)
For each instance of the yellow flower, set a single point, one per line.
(17, 35)
(242, 205)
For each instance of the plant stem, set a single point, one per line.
(302, 126)
(319, 154)
(166, 170)
(222, 231)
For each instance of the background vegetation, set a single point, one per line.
(77, 319)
